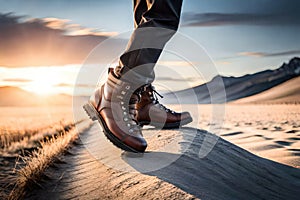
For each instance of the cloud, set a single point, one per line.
(54, 23)
(20, 80)
(73, 29)
(258, 13)
(45, 42)
(222, 19)
(264, 54)
(252, 54)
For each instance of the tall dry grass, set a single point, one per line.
(40, 159)
(14, 141)
(24, 132)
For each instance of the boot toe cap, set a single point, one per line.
(137, 143)
(185, 115)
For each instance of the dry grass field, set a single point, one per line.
(30, 139)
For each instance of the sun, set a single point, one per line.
(42, 86)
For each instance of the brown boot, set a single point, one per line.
(151, 112)
(114, 106)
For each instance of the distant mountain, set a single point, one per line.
(235, 88)
(285, 93)
(14, 96)
(238, 87)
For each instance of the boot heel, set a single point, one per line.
(91, 112)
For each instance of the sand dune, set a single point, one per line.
(288, 92)
(236, 87)
(94, 169)
(269, 131)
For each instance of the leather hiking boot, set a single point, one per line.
(114, 106)
(151, 112)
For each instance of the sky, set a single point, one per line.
(44, 43)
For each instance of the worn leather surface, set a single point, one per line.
(116, 114)
(150, 111)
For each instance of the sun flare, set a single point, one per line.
(42, 86)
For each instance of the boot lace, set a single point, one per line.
(129, 111)
(154, 97)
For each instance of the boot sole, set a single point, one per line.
(167, 125)
(94, 115)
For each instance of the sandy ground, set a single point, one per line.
(269, 131)
(190, 162)
(23, 118)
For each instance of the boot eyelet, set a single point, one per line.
(128, 125)
(123, 108)
(125, 119)
(125, 113)
(123, 92)
(122, 103)
(127, 87)
(130, 131)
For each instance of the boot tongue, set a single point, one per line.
(134, 99)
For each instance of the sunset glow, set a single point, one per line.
(41, 80)
(43, 48)
(41, 86)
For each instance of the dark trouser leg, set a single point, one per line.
(156, 21)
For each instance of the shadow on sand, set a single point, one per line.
(227, 172)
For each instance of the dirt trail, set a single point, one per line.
(228, 172)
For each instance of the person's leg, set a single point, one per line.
(116, 103)
(156, 21)
(139, 7)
